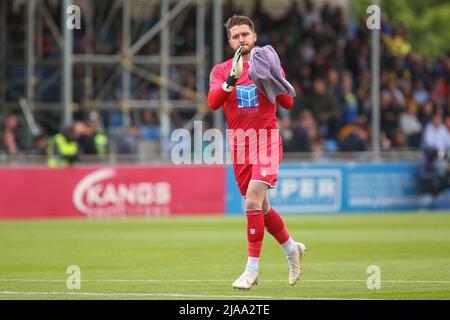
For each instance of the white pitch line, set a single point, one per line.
(31, 293)
(224, 280)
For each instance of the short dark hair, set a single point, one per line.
(237, 20)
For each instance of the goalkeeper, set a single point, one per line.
(251, 118)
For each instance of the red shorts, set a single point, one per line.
(263, 170)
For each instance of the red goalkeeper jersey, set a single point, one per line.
(245, 107)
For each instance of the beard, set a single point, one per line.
(247, 48)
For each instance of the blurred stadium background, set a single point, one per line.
(87, 117)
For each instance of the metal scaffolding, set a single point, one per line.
(3, 39)
(126, 63)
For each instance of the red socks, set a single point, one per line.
(255, 232)
(256, 222)
(275, 226)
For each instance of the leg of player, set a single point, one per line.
(256, 193)
(294, 250)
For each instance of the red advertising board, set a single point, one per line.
(111, 191)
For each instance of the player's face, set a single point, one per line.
(242, 35)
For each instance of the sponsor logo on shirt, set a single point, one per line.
(247, 96)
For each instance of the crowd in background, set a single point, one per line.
(328, 61)
(325, 57)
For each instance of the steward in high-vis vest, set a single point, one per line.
(101, 143)
(100, 140)
(62, 149)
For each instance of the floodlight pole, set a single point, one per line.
(3, 50)
(200, 49)
(376, 90)
(67, 66)
(218, 51)
(126, 77)
(164, 91)
(89, 70)
(31, 5)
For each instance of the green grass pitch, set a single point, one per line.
(199, 257)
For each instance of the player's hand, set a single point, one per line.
(236, 71)
(238, 64)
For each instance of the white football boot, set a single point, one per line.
(248, 279)
(295, 263)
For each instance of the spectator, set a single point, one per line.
(420, 94)
(410, 125)
(397, 43)
(8, 137)
(399, 140)
(428, 179)
(395, 93)
(389, 115)
(285, 127)
(40, 145)
(447, 122)
(99, 139)
(333, 82)
(305, 80)
(353, 137)
(307, 51)
(304, 132)
(129, 142)
(324, 108)
(348, 99)
(63, 150)
(305, 135)
(311, 17)
(426, 113)
(85, 139)
(436, 135)
(10, 144)
(149, 128)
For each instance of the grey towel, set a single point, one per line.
(265, 72)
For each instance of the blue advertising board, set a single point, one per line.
(342, 187)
